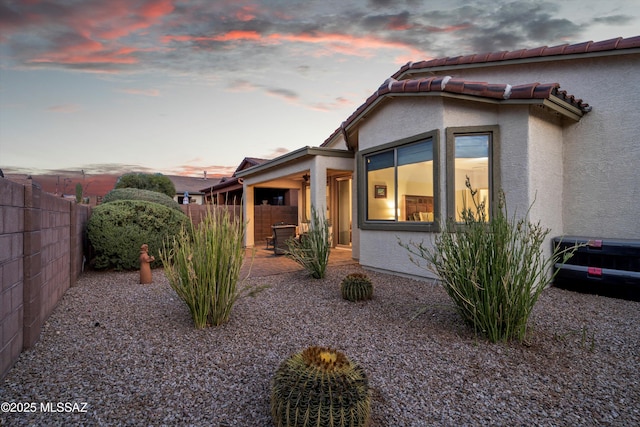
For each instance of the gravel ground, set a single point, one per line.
(131, 354)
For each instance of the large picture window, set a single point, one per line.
(399, 183)
(471, 154)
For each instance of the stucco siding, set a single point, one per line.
(601, 153)
(402, 118)
(529, 160)
(380, 250)
(514, 156)
(545, 170)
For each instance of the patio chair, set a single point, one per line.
(281, 234)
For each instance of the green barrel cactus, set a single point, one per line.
(356, 287)
(320, 387)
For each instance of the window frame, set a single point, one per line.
(494, 165)
(395, 225)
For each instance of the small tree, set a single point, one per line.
(312, 250)
(78, 193)
(494, 270)
(153, 182)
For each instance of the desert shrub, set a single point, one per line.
(494, 270)
(145, 181)
(356, 287)
(140, 194)
(320, 387)
(312, 249)
(203, 265)
(116, 231)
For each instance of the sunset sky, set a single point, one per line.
(186, 86)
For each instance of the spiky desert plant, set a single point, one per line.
(320, 387)
(494, 269)
(203, 265)
(312, 250)
(356, 287)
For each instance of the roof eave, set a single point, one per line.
(553, 102)
(294, 156)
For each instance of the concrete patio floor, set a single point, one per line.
(266, 263)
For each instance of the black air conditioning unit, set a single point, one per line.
(607, 267)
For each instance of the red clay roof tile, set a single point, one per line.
(537, 52)
(629, 43)
(514, 54)
(577, 48)
(523, 91)
(483, 89)
(543, 91)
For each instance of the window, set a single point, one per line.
(471, 153)
(399, 180)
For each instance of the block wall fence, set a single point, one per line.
(42, 244)
(41, 256)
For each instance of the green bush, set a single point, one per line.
(494, 271)
(139, 194)
(320, 387)
(356, 287)
(312, 250)
(145, 181)
(203, 265)
(116, 231)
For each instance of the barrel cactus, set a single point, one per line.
(356, 287)
(320, 387)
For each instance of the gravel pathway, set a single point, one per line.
(130, 353)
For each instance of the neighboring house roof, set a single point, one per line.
(233, 180)
(548, 94)
(191, 184)
(248, 162)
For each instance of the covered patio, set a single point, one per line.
(321, 177)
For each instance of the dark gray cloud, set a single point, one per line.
(201, 36)
(614, 20)
(282, 92)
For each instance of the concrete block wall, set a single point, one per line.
(11, 273)
(41, 248)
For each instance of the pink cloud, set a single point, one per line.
(338, 103)
(230, 36)
(246, 13)
(345, 43)
(213, 171)
(64, 108)
(145, 92)
(101, 25)
(329, 43)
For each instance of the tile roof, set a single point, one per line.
(497, 91)
(537, 53)
(248, 162)
(456, 86)
(191, 184)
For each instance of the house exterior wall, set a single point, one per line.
(578, 178)
(529, 161)
(601, 186)
(197, 199)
